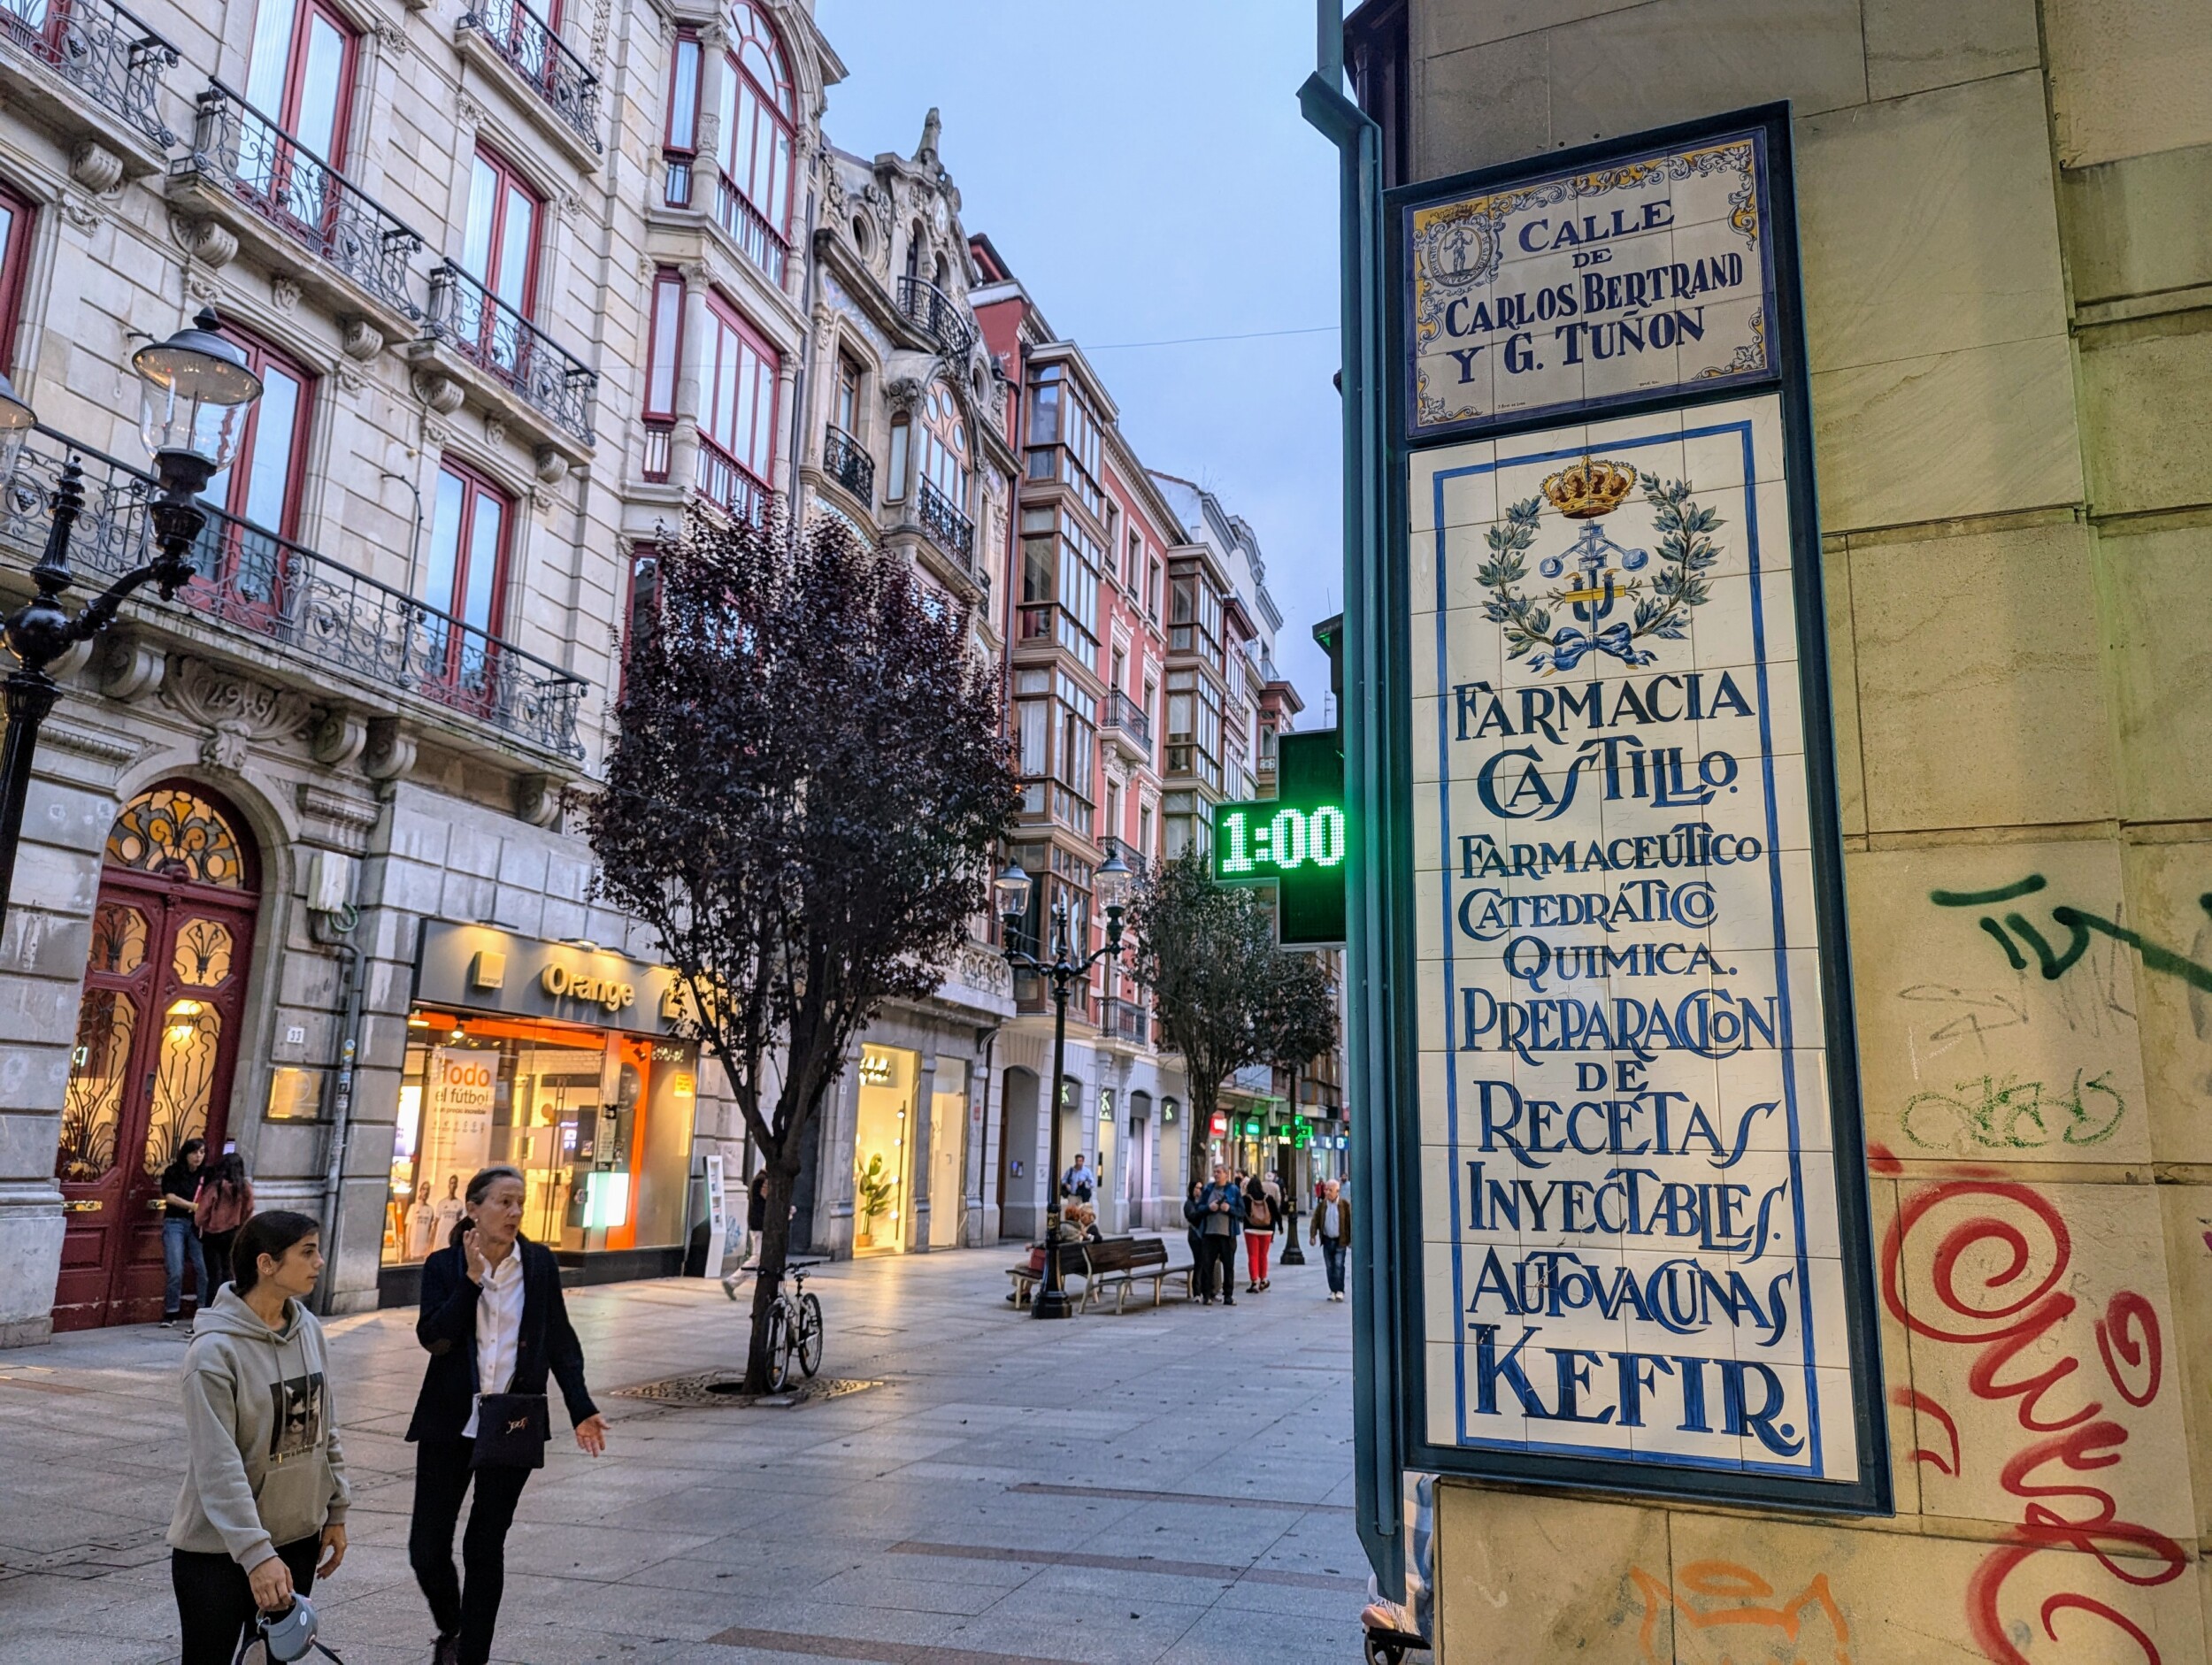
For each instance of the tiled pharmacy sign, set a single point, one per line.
(1642, 1262)
(1587, 286)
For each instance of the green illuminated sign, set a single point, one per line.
(1296, 841)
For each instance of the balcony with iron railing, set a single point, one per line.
(762, 243)
(1124, 1020)
(103, 53)
(265, 182)
(335, 622)
(510, 349)
(1128, 722)
(937, 315)
(846, 461)
(534, 49)
(729, 486)
(947, 528)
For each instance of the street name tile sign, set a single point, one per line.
(1640, 1257)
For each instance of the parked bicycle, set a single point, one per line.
(795, 1322)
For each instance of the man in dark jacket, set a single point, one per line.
(1216, 1216)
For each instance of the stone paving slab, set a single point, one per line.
(1163, 1486)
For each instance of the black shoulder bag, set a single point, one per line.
(511, 1430)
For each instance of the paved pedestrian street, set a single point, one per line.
(1170, 1486)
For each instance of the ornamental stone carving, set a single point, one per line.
(549, 466)
(128, 665)
(285, 294)
(390, 752)
(340, 736)
(213, 245)
(441, 393)
(235, 710)
(539, 798)
(96, 167)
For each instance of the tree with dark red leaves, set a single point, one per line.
(808, 776)
(1226, 996)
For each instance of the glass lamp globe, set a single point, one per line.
(17, 419)
(196, 390)
(1111, 883)
(1012, 888)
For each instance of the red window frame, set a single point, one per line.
(724, 313)
(260, 355)
(476, 485)
(778, 103)
(509, 177)
(15, 266)
(665, 321)
(686, 144)
(287, 113)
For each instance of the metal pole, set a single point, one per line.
(1052, 1297)
(30, 695)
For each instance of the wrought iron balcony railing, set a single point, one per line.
(1124, 1020)
(1131, 857)
(511, 350)
(938, 314)
(657, 451)
(846, 461)
(271, 586)
(948, 529)
(529, 43)
(764, 244)
(98, 47)
(1126, 714)
(729, 485)
(677, 169)
(294, 189)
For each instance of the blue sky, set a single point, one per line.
(1143, 166)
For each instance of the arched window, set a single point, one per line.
(916, 239)
(760, 115)
(174, 833)
(944, 462)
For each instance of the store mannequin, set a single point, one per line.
(448, 1210)
(422, 1229)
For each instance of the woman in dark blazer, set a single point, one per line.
(493, 1321)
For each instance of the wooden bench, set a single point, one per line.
(1073, 1263)
(1120, 1263)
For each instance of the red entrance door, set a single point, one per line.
(157, 1044)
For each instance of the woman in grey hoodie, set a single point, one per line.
(263, 1510)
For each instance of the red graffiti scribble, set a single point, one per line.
(1881, 1160)
(2004, 1309)
(1912, 1399)
(2125, 1313)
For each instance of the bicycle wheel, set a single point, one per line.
(778, 1348)
(810, 1336)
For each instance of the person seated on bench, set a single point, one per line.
(1078, 1223)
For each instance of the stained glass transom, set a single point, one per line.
(176, 834)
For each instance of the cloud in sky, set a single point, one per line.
(1143, 166)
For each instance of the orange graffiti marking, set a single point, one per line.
(1746, 1600)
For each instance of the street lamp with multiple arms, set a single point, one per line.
(1064, 970)
(196, 391)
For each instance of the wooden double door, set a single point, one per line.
(156, 1046)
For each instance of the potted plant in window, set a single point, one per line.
(871, 1193)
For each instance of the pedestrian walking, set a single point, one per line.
(221, 1205)
(262, 1512)
(1331, 1228)
(179, 1241)
(494, 1325)
(1260, 1219)
(1190, 1230)
(1216, 1215)
(1077, 1182)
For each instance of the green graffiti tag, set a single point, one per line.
(2010, 1114)
(2077, 925)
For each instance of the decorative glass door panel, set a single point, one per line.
(157, 1044)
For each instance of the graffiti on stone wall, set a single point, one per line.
(1994, 1113)
(1988, 1266)
(2053, 955)
(1723, 1611)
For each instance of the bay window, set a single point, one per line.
(759, 116)
(1055, 727)
(738, 372)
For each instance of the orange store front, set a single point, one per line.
(563, 1061)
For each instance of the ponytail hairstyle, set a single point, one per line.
(273, 1233)
(479, 1187)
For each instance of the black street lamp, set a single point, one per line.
(196, 390)
(1112, 887)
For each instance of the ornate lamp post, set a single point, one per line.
(1062, 970)
(196, 390)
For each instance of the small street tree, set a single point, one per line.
(1226, 996)
(808, 777)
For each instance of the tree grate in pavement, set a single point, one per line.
(725, 1387)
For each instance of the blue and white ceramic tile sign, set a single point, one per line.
(1643, 1258)
(1592, 285)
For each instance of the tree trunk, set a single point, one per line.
(777, 1182)
(1205, 1097)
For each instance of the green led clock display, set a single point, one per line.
(1297, 843)
(1285, 840)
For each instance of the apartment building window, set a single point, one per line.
(499, 247)
(848, 396)
(1144, 831)
(1112, 828)
(1133, 567)
(1120, 678)
(1060, 562)
(299, 74)
(665, 346)
(1193, 615)
(1056, 726)
(465, 576)
(1152, 592)
(240, 558)
(737, 372)
(17, 218)
(1193, 726)
(759, 112)
(944, 462)
(679, 144)
(1064, 437)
